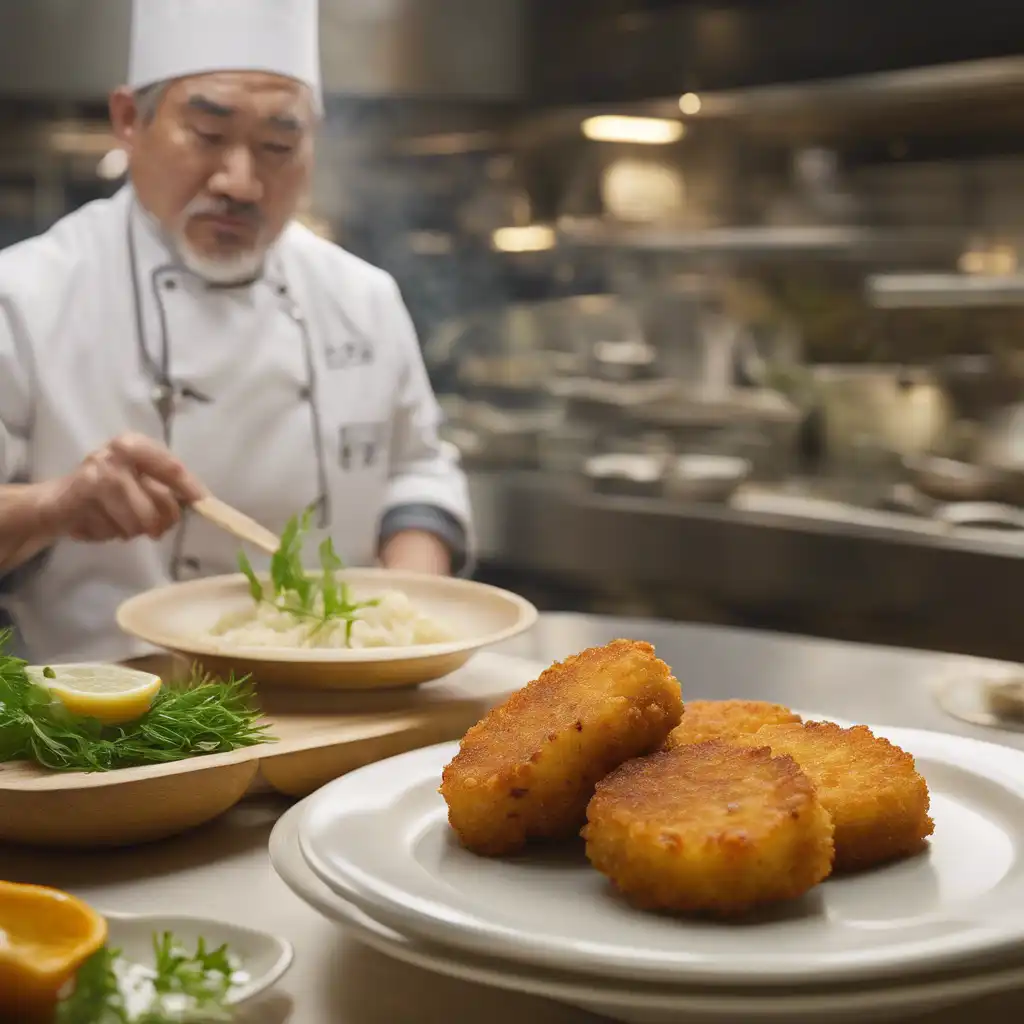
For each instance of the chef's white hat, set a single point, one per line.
(177, 38)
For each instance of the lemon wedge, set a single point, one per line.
(110, 693)
(45, 936)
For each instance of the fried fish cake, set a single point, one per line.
(526, 770)
(871, 788)
(718, 719)
(709, 828)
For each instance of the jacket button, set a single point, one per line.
(306, 393)
(170, 284)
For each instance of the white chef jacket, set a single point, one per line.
(305, 386)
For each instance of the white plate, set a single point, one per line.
(175, 617)
(380, 838)
(962, 691)
(262, 956)
(631, 1002)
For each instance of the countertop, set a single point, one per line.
(223, 870)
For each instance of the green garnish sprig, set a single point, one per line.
(205, 716)
(323, 598)
(97, 997)
(202, 980)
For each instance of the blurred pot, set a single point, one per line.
(626, 474)
(887, 411)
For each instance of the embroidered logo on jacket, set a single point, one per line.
(362, 445)
(352, 352)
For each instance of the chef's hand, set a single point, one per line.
(131, 487)
(416, 551)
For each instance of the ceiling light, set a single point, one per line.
(531, 238)
(689, 103)
(647, 131)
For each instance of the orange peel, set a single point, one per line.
(45, 937)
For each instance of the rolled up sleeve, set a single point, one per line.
(427, 488)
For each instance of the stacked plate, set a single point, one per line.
(374, 852)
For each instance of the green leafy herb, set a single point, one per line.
(206, 716)
(97, 997)
(255, 587)
(286, 571)
(322, 598)
(204, 978)
(181, 988)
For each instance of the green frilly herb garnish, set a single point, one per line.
(205, 716)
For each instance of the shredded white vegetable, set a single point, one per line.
(393, 621)
(136, 982)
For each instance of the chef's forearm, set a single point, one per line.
(24, 532)
(416, 551)
(432, 520)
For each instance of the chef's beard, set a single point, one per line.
(237, 269)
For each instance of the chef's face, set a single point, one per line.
(221, 161)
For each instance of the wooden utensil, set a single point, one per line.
(238, 523)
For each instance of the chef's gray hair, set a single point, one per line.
(148, 98)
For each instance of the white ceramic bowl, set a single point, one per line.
(263, 957)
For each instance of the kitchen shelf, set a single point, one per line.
(837, 241)
(944, 291)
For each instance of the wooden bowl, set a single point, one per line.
(177, 616)
(134, 805)
(317, 736)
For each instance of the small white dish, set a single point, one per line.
(263, 958)
(970, 689)
(641, 469)
(379, 838)
(636, 1002)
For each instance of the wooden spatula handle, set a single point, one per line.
(238, 523)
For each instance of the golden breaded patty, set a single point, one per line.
(709, 828)
(705, 720)
(527, 769)
(877, 799)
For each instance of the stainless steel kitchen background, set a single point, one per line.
(724, 301)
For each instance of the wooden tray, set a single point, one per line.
(319, 736)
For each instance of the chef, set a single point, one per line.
(188, 336)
